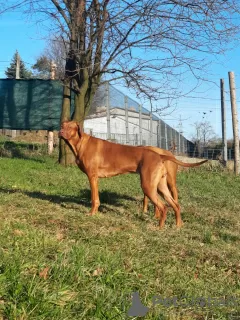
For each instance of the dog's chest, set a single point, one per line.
(80, 164)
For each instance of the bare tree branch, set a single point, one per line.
(149, 44)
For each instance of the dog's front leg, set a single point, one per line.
(93, 180)
(145, 204)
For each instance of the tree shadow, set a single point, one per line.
(11, 149)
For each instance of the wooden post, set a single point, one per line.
(224, 135)
(234, 121)
(50, 139)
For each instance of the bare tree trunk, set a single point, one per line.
(65, 153)
(66, 156)
(79, 112)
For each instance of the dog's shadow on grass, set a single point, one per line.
(109, 201)
(107, 198)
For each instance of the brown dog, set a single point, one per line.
(171, 168)
(99, 159)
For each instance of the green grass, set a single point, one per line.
(58, 263)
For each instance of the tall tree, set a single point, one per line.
(204, 135)
(55, 51)
(150, 45)
(42, 67)
(11, 70)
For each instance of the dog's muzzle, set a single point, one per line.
(60, 134)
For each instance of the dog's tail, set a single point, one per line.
(183, 164)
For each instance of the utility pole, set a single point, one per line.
(234, 121)
(18, 67)
(224, 135)
(52, 70)
(50, 132)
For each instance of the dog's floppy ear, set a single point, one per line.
(80, 129)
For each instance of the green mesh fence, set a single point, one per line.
(30, 104)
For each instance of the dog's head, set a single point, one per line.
(69, 130)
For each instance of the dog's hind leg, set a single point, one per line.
(160, 208)
(145, 208)
(163, 188)
(149, 183)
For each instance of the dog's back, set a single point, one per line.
(112, 159)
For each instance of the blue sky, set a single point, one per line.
(18, 34)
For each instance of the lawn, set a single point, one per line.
(56, 262)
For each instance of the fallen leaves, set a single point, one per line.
(18, 232)
(44, 273)
(97, 272)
